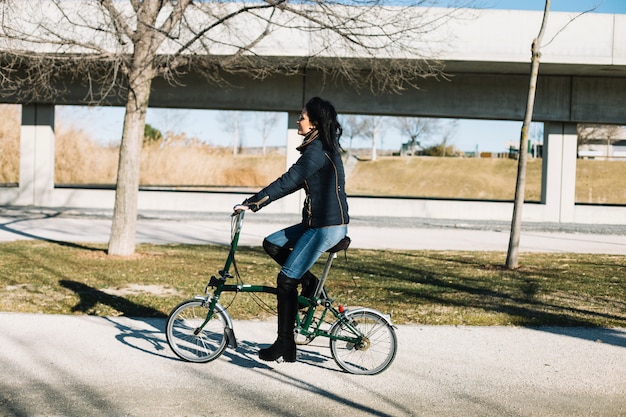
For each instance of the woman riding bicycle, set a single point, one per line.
(319, 171)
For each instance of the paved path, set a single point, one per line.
(114, 366)
(370, 233)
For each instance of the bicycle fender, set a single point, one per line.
(230, 337)
(230, 333)
(385, 317)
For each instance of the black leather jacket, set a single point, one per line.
(321, 175)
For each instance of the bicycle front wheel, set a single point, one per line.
(365, 346)
(185, 337)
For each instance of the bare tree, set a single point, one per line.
(607, 134)
(447, 134)
(520, 185)
(370, 129)
(231, 123)
(115, 49)
(416, 129)
(353, 128)
(265, 122)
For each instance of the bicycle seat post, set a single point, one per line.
(332, 253)
(324, 275)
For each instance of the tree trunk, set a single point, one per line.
(374, 137)
(516, 223)
(124, 226)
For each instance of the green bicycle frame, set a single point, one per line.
(306, 327)
(303, 326)
(220, 283)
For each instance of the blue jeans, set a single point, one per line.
(308, 245)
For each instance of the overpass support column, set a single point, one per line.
(36, 154)
(558, 191)
(293, 202)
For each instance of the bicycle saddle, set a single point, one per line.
(342, 245)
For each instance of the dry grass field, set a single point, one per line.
(175, 162)
(184, 162)
(600, 182)
(466, 178)
(9, 144)
(597, 182)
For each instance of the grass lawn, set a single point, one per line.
(421, 287)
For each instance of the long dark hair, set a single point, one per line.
(324, 116)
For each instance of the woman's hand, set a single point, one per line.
(239, 208)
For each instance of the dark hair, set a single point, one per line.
(324, 116)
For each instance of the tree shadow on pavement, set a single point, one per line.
(609, 336)
(90, 297)
(6, 227)
(148, 336)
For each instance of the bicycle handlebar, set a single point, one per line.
(237, 221)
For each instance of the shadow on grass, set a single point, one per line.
(538, 297)
(90, 296)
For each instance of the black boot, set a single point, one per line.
(285, 344)
(280, 255)
(309, 283)
(277, 253)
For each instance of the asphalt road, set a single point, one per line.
(371, 233)
(54, 365)
(116, 366)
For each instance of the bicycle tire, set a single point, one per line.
(182, 324)
(377, 350)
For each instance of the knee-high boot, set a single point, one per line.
(309, 284)
(277, 253)
(280, 255)
(285, 344)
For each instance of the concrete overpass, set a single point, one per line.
(582, 79)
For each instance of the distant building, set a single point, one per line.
(535, 150)
(602, 142)
(407, 150)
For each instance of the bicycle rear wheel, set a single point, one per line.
(370, 350)
(186, 339)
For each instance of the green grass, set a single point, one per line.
(426, 287)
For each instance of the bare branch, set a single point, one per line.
(119, 22)
(114, 49)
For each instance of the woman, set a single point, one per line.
(319, 171)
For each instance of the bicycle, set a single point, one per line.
(362, 340)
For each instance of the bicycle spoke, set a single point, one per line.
(181, 329)
(371, 351)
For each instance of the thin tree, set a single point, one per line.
(447, 134)
(520, 185)
(265, 122)
(353, 128)
(231, 123)
(416, 129)
(370, 128)
(589, 133)
(115, 49)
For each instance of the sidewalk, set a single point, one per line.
(368, 233)
(118, 366)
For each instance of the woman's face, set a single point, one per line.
(304, 124)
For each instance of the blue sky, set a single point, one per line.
(471, 135)
(601, 6)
